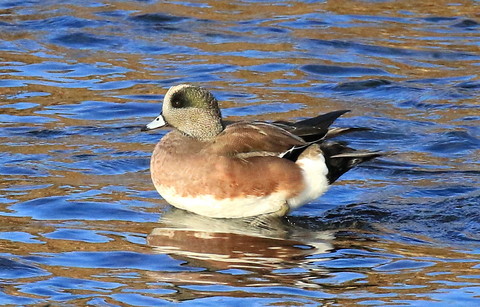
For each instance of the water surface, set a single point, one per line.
(80, 220)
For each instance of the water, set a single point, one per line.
(80, 220)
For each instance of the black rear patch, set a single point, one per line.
(340, 158)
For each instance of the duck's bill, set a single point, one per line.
(156, 123)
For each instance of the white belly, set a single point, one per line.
(208, 205)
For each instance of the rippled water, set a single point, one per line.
(81, 222)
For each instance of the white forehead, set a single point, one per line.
(173, 90)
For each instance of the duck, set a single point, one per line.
(244, 169)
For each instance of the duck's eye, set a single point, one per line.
(176, 103)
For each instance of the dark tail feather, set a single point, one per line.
(338, 156)
(312, 129)
(334, 132)
(341, 158)
(322, 121)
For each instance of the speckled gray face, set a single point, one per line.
(192, 110)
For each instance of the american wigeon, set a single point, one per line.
(243, 169)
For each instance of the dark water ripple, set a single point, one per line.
(342, 71)
(82, 225)
(375, 50)
(61, 208)
(10, 269)
(416, 219)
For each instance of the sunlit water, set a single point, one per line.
(80, 220)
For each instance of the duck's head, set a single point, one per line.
(190, 109)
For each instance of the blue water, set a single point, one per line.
(81, 223)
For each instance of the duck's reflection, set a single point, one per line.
(264, 252)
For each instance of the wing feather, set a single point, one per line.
(255, 139)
